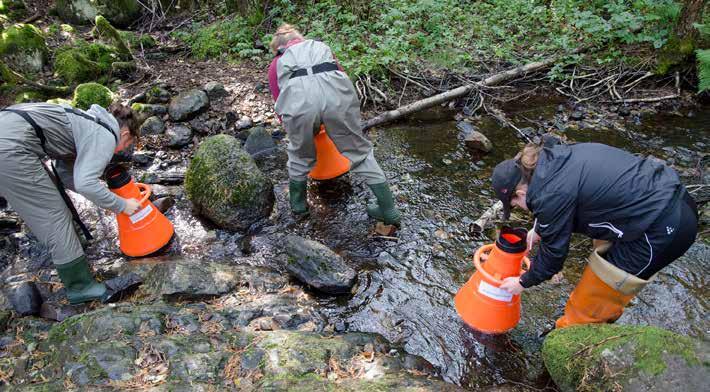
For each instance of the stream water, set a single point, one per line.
(406, 286)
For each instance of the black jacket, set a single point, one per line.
(593, 189)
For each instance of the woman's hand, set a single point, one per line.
(512, 285)
(132, 205)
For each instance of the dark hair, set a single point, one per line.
(126, 117)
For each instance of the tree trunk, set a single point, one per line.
(692, 13)
(462, 91)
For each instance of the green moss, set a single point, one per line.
(88, 94)
(23, 47)
(675, 52)
(68, 28)
(84, 62)
(106, 31)
(29, 96)
(14, 9)
(60, 101)
(570, 353)
(138, 41)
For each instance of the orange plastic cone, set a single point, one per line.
(481, 303)
(330, 163)
(147, 230)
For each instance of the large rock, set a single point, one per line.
(88, 94)
(629, 358)
(152, 126)
(179, 136)
(259, 139)
(215, 90)
(23, 48)
(472, 138)
(24, 297)
(121, 13)
(317, 266)
(144, 111)
(188, 104)
(191, 278)
(225, 185)
(84, 62)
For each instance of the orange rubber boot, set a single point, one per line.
(593, 301)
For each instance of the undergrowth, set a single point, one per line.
(369, 36)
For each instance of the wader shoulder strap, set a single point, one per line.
(94, 119)
(60, 185)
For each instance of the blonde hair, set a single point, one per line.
(528, 161)
(283, 34)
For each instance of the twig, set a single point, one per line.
(599, 343)
(653, 99)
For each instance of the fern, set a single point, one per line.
(703, 56)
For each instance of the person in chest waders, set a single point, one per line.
(81, 143)
(310, 89)
(636, 210)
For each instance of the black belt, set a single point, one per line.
(318, 68)
(60, 186)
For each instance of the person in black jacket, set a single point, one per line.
(636, 209)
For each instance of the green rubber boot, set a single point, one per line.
(384, 210)
(297, 196)
(79, 283)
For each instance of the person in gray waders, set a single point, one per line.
(81, 143)
(310, 89)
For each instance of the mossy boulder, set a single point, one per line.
(23, 48)
(60, 101)
(29, 96)
(631, 358)
(120, 13)
(225, 185)
(88, 94)
(14, 9)
(85, 62)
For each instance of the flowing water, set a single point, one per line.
(406, 285)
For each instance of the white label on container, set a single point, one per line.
(494, 292)
(142, 214)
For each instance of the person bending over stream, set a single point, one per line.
(637, 211)
(310, 88)
(82, 143)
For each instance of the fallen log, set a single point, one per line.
(462, 91)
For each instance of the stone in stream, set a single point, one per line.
(609, 357)
(191, 278)
(179, 136)
(225, 185)
(474, 140)
(188, 104)
(24, 298)
(163, 204)
(317, 266)
(143, 158)
(259, 139)
(152, 126)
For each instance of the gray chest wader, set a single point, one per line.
(60, 186)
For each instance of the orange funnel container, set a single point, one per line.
(147, 230)
(481, 303)
(330, 163)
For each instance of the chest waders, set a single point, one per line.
(60, 185)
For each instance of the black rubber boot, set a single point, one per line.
(79, 283)
(384, 210)
(297, 196)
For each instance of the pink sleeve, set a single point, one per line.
(273, 79)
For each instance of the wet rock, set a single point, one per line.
(179, 136)
(143, 158)
(120, 13)
(188, 104)
(244, 123)
(191, 278)
(152, 126)
(163, 204)
(24, 298)
(9, 223)
(122, 286)
(56, 311)
(215, 90)
(317, 266)
(225, 185)
(259, 139)
(474, 140)
(173, 177)
(629, 358)
(3, 203)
